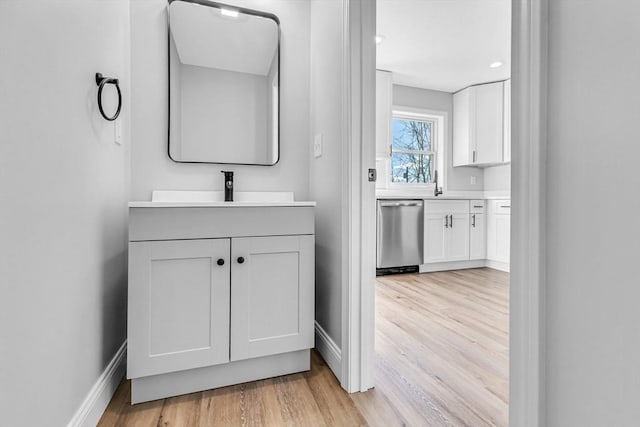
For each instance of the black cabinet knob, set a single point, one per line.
(240, 260)
(220, 261)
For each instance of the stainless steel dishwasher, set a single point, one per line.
(400, 233)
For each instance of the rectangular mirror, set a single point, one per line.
(223, 84)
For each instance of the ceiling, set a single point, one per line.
(444, 45)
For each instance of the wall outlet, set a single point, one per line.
(473, 180)
(317, 145)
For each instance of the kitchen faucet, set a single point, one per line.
(436, 191)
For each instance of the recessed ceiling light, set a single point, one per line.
(229, 12)
(496, 64)
(379, 38)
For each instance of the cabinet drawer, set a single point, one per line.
(446, 207)
(476, 206)
(502, 207)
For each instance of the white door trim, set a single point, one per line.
(528, 228)
(358, 272)
(529, 86)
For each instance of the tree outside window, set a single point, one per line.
(413, 151)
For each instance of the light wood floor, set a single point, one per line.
(441, 360)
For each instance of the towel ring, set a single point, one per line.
(101, 81)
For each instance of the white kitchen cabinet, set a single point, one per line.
(478, 125)
(499, 232)
(507, 121)
(384, 100)
(477, 231)
(435, 245)
(272, 302)
(446, 231)
(218, 295)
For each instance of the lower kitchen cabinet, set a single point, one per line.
(499, 232)
(477, 231)
(446, 229)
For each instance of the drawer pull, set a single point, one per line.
(473, 218)
(505, 206)
(220, 262)
(476, 206)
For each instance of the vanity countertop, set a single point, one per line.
(215, 204)
(215, 199)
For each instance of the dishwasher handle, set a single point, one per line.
(398, 204)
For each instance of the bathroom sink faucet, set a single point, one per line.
(228, 186)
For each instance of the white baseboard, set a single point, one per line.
(93, 406)
(498, 265)
(329, 351)
(451, 265)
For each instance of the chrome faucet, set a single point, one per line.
(228, 186)
(436, 191)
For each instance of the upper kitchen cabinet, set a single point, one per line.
(384, 88)
(480, 117)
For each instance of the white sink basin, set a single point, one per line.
(175, 199)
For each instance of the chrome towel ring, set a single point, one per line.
(101, 81)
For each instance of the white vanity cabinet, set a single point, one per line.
(218, 296)
(271, 300)
(178, 305)
(479, 125)
(446, 230)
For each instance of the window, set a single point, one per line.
(413, 149)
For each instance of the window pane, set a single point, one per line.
(411, 168)
(412, 135)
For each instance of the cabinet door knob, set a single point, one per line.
(240, 260)
(220, 261)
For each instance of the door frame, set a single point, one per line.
(528, 225)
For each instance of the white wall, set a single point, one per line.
(498, 178)
(151, 167)
(63, 196)
(456, 178)
(593, 236)
(326, 180)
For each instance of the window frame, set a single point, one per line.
(439, 123)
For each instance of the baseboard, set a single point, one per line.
(498, 265)
(329, 351)
(93, 406)
(452, 265)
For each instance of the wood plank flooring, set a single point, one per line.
(441, 360)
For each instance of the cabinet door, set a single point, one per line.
(434, 238)
(462, 122)
(489, 123)
(272, 295)
(507, 121)
(383, 113)
(503, 237)
(457, 241)
(477, 237)
(178, 305)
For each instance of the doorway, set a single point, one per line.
(528, 130)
